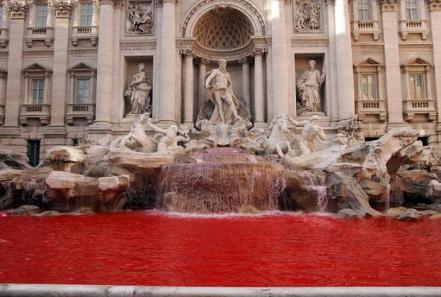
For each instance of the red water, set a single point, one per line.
(273, 250)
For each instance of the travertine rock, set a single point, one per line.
(66, 158)
(68, 192)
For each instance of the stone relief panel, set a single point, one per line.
(139, 17)
(308, 16)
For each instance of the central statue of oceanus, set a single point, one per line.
(222, 107)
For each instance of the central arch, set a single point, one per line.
(243, 6)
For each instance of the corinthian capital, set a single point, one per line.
(17, 9)
(62, 8)
(389, 5)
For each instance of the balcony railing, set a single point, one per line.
(365, 27)
(80, 111)
(84, 33)
(41, 112)
(372, 107)
(45, 34)
(413, 27)
(422, 107)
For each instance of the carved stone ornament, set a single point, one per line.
(17, 9)
(62, 8)
(308, 15)
(139, 17)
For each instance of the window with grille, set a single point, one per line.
(41, 16)
(86, 14)
(417, 86)
(365, 10)
(37, 91)
(412, 9)
(34, 152)
(82, 95)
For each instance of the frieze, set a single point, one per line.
(136, 45)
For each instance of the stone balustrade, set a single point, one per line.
(39, 112)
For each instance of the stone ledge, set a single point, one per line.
(13, 290)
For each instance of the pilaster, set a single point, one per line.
(394, 94)
(435, 17)
(17, 14)
(61, 43)
(188, 87)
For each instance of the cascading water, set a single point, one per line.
(316, 184)
(223, 180)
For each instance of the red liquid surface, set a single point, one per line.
(273, 250)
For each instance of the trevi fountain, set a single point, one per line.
(241, 191)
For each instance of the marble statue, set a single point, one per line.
(226, 104)
(279, 137)
(312, 131)
(137, 140)
(139, 91)
(140, 19)
(309, 85)
(307, 15)
(168, 139)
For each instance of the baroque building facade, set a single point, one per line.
(85, 68)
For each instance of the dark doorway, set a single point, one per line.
(34, 152)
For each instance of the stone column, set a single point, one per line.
(392, 61)
(279, 58)
(105, 66)
(345, 74)
(17, 12)
(435, 20)
(188, 88)
(331, 66)
(61, 43)
(259, 102)
(201, 83)
(246, 83)
(167, 75)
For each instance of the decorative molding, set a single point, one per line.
(17, 9)
(389, 5)
(434, 5)
(137, 45)
(62, 8)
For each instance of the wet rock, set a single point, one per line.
(409, 214)
(345, 188)
(125, 162)
(66, 158)
(350, 213)
(13, 160)
(24, 210)
(68, 192)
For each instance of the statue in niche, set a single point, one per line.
(308, 15)
(309, 85)
(221, 95)
(139, 92)
(140, 19)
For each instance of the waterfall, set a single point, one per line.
(316, 184)
(223, 180)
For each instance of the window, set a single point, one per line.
(417, 86)
(365, 10)
(86, 14)
(40, 16)
(412, 9)
(34, 152)
(37, 91)
(1, 16)
(369, 86)
(82, 91)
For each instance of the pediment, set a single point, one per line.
(36, 68)
(82, 67)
